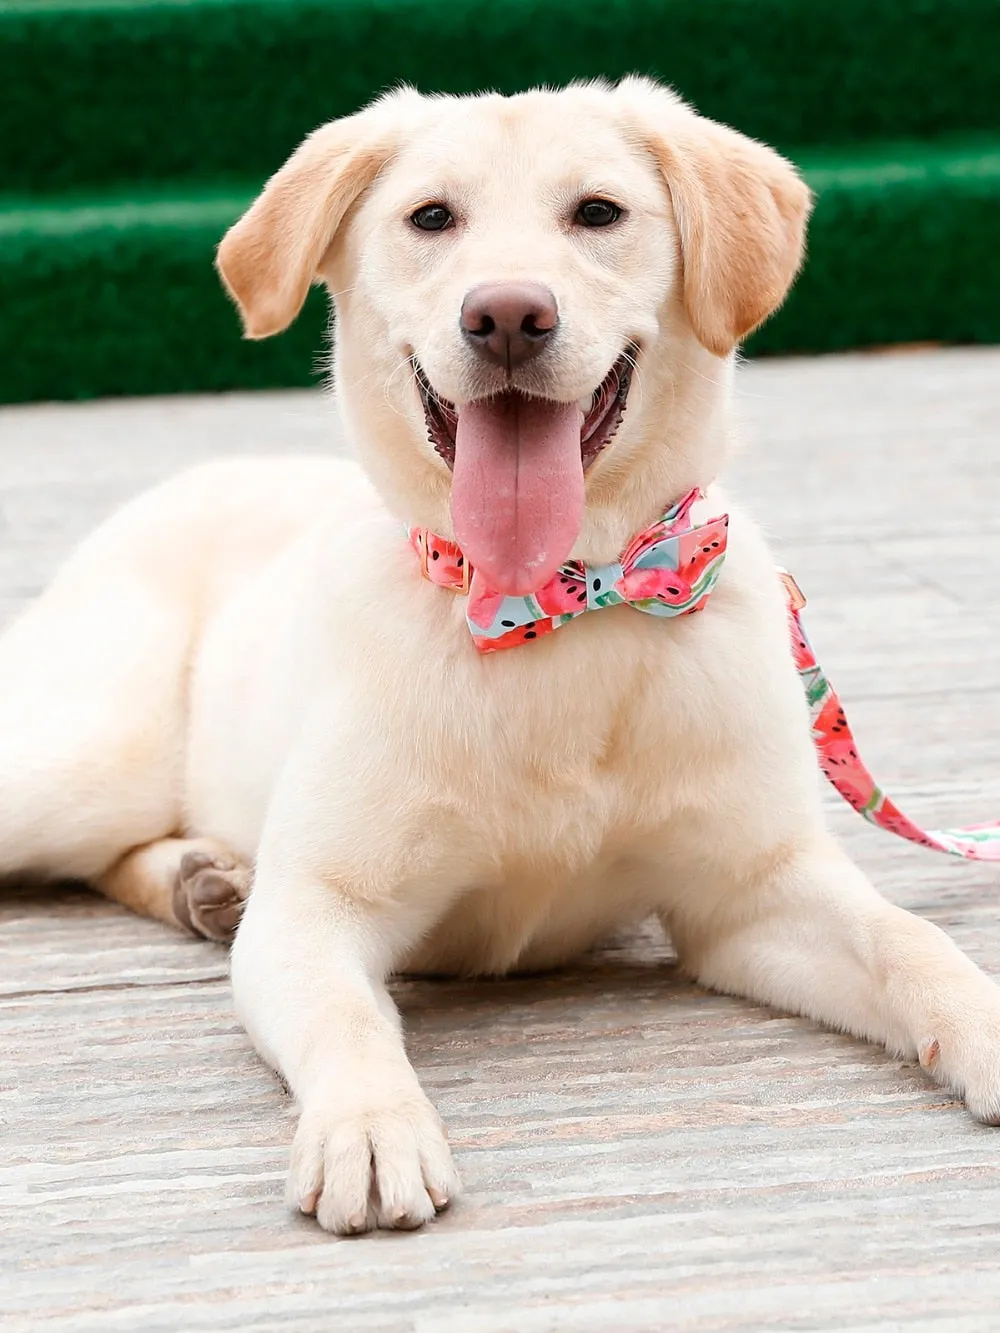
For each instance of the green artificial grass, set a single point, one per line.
(133, 131)
(119, 297)
(903, 248)
(104, 92)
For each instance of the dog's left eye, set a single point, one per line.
(597, 213)
(432, 217)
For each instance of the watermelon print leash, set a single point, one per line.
(844, 768)
(670, 569)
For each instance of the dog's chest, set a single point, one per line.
(566, 758)
(574, 765)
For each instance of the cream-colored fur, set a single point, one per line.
(249, 654)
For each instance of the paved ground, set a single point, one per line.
(637, 1154)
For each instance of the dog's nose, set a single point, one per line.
(509, 322)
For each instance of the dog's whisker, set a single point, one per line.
(361, 381)
(698, 374)
(407, 363)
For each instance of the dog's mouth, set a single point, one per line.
(518, 466)
(601, 416)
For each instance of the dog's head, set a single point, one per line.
(527, 290)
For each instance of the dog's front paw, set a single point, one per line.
(965, 1057)
(357, 1168)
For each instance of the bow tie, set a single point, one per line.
(669, 569)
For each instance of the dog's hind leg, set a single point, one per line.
(92, 722)
(194, 883)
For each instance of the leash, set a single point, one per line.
(842, 764)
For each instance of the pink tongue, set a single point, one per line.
(517, 492)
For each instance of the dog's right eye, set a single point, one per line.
(597, 213)
(432, 217)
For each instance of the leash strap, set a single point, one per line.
(841, 763)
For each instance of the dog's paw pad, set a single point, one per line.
(209, 893)
(386, 1166)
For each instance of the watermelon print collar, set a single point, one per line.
(669, 570)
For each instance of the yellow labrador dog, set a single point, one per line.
(537, 302)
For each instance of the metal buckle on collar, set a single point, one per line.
(424, 549)
(796, 597)
(463, 587)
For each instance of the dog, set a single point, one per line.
(302, 669)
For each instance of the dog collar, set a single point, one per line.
(669, 569)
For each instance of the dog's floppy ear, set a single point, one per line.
(269, 258)
(741, 211)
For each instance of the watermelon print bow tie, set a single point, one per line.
(669, 570)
